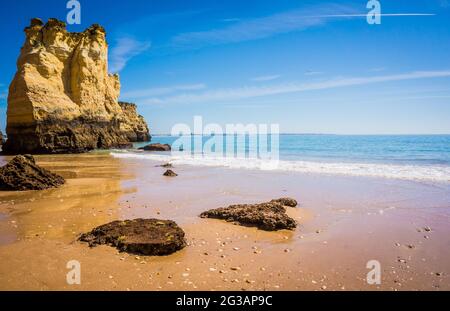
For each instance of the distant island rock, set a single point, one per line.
(62, 99)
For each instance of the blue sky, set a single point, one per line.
(311, 66)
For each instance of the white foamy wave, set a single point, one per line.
(408, 172)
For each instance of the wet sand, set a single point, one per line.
(344, 223)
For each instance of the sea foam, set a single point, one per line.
(437, 173)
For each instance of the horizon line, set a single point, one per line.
(319, 134)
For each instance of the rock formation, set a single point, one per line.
(166, 165)
(62, 98)
(156, 147)
(134, 126)
(139, 236)
(170, 173)
(268, 216)
(22, 173)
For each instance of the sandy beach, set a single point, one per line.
(344, 222)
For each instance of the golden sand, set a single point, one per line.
(344, 223)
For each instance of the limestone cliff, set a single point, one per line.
(134, 127)
(62, 98)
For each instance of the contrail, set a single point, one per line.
(382, 14)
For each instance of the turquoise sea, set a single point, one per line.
(417, 157)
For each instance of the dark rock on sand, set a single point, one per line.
(151, 237)
(268, 216)
(170, 173)
(156, 147)
(167, 165)
(286, 202)
(22, 173)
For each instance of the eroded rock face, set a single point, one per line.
(62, 98)
(134, 125)
(22, 173)
(151, 237)
(268, 216)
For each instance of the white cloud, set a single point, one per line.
(222, 95)
(230, 20)
(125, 49)
(266, 78)
(313, 73)
(163, 90)
(378, 69)
(263, 27)
(280, 23)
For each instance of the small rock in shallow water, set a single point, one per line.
(166, 165)
(156, 147)
(170, 173)
(139, 236)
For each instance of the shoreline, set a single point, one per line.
(344, 222)
(439, 174)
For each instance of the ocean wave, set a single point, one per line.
(437, 173)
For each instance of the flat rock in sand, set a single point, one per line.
(269, 216)
(151, 237)
(22, 173)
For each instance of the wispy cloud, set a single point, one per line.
(280, 23)
(263, 27)
(223, 95)
(163, 90)
(266, 78)
(313, 73)
(230, 20)
(124, 50)
(444, 3)
(377, 69)
(3, 92)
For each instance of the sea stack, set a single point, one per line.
(62, 98)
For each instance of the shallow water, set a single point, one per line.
(421, 157)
